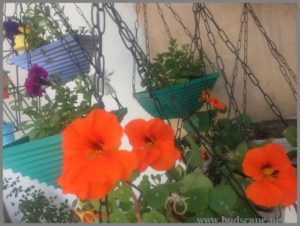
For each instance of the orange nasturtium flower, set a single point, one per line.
(153, 143)
(274, 178)
(92, 163)
(217, 104)
(205, 94)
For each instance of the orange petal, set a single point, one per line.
(253, 162)
(157, 129)
(264, 193)
(104, 128)
(128, 161)
(287, 182)
(135, 130)
(141, 155)
(277, 157)
(166, 160)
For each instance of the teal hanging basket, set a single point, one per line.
(39, 159)
(178, 100)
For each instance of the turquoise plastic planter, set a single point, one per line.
(39, 159)
(179, 100)
(8, 133)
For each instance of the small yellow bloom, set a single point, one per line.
(21, 29)
(20, 42)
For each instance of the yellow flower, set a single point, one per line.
(21, 29)
(20, 42)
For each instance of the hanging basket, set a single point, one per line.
(8, 133)
(61, 57)
(39, 159)
(178, 100)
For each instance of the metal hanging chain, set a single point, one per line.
(80, 12)
(197, 42)
(98, 16)
(243, 24)
(161, 14)
(245, 60)
(189, 34)
(65, 44)
(99, 30)
(281, 60)
(136, 29)
(146, 27)
(283, 66)
(246, 68)
(219, 60)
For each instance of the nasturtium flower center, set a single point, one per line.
(96, 151)
(269, 172)
(149, 142)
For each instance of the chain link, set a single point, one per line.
(243, 24)
(219, 61)
(146, 27)
(161, 14)
(246, 68)
(98, 29)
(136, 27)
(80, 12)
(283, 66)
(245, 60)
(190, 35)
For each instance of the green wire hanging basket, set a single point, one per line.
(178, 100)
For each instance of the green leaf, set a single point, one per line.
(194, 181)
(123, 193)
(238, 154)
(145, 184)
(126, 206)
(197, 200)
(204, 216)
(222, 199)
(95, 203)
(156, 197)
(193, 156)
(291, 135)
(134, 176)
(117, 217)
(154, 217)
(175, 173)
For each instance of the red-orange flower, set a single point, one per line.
(153, 143)
(205, 94)
(92, 163)
(274, 178)
(217, 104)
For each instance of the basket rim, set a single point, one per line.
(213, 74)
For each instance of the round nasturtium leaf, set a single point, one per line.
(123, 193)
(197, 200)
(156, 197)
(154, 217)
(222, 199)
(118, 217)
(194, 181)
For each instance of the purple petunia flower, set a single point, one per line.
(11, 28)
(35, 84)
